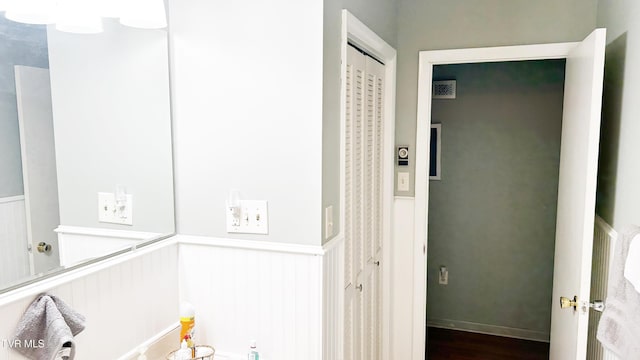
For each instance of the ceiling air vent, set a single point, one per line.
(445, 89)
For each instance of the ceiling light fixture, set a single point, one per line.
(144, 14)
(85, 16)
(30, 11)
(76, 16)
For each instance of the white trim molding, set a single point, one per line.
(250, 245)
(107, 233)
(9, 199)
(490, 329)
(427, 60)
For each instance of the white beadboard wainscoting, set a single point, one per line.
(604, 240)
(127, 300)
(79, 244)
(402, 256)
(333, 299)
(14, 258)
(253, 290)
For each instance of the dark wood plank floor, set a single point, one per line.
(462, 345)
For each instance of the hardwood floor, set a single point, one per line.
(462, 345)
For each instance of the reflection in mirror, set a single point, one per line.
(85, 145)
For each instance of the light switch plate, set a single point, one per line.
(328, 222)
(106, 207)
(403, 181)
(254, 218)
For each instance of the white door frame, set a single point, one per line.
(356, 32)
(425, 77)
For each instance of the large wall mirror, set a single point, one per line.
(85, 146)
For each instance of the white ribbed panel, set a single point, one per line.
(14, 258)
(604, 239)
(125, 304)
(245, 293)
(333, 300)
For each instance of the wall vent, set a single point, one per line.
(445, 89)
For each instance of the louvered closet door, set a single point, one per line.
(363, 205)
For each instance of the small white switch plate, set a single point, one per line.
(107, 212)
(254, 218)
(328, 222)
(106, 207)
(403, 181)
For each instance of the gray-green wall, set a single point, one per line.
(435, 25)
(618, 196)
(20, 44)
(492, 214)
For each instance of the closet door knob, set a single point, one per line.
(44, 247)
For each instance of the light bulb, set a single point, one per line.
(31, 11)
(144, 14)
(77, 16)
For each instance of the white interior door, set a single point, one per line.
(364, 134)
(35, 119)
(373, 141)
(576, 195)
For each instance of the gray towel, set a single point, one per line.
(47, 328)
(619, 327)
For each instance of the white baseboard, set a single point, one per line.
(490, 329)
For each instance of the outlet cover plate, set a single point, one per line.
(254, 218)
(107, 212)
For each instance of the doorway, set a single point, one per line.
(576, 189)
(492, 210)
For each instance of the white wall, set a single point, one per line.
(247, 97)
(112, 126)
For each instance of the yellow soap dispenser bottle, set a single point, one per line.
(187, 320)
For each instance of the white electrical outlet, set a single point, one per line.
(124, 215)
(443, 276)
(108, 212)
(252, 217)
